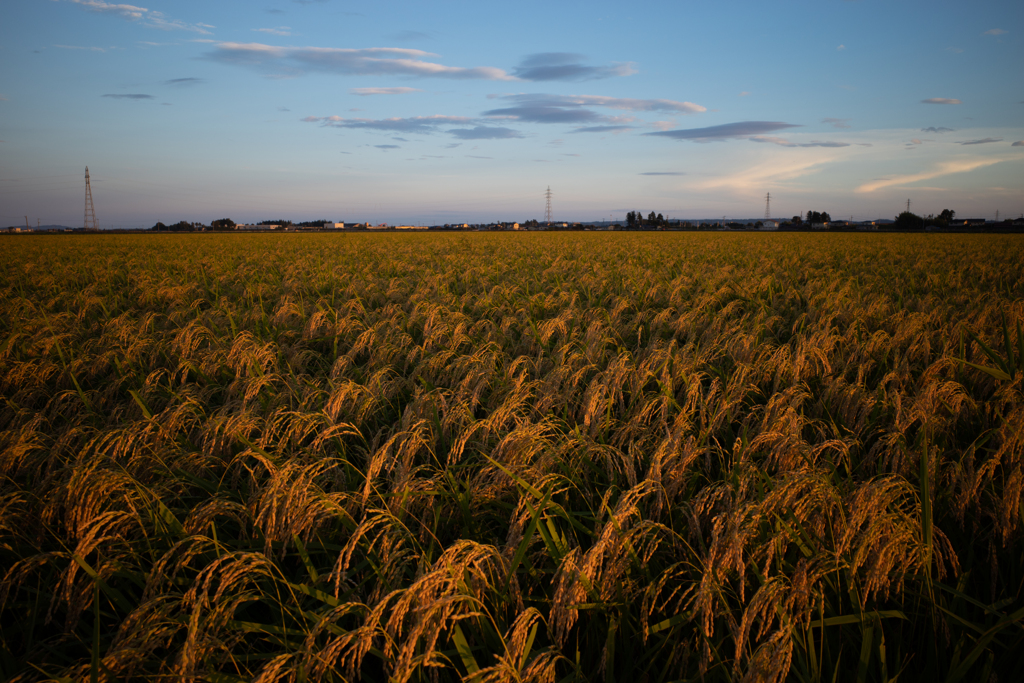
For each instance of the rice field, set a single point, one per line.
(512, 457)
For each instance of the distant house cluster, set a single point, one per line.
(903, 222)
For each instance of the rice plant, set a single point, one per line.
(516, 457)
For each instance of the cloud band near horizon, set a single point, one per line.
(943, 169)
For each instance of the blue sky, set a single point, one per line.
(467, 111)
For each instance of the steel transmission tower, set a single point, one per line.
(90, 211)
(768, 207)
(547, 209)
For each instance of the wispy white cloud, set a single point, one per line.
(576, 101)
(840, 48)
(414, 124)
(766, 174)
(157, 20)
(363, 92)
(148, 17)
(933, 129)
(837, 123)
(279, 31)
(745, 93)
(127, 11)
(579, 110)
(942, 169)
(374, 61)
(982, 141)
(468, 129)
(624, 103)
(77, 47)
(994, 32)
(129, 96)
(940, 100)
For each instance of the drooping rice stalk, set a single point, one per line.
(511, 457)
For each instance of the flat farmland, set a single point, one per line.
(505, 457)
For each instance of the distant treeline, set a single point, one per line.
(228, 224)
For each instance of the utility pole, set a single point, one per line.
(547, 210)
(90, 211)
(26, 224)
(768, 207)
(908, 206)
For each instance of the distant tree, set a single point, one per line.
(908, 221)
(825, 218)
(223, 224)
(630, 220)
(652, 219)
(947, 216)
(796, 220)
(159, 226)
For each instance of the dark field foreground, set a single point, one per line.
(619, 457)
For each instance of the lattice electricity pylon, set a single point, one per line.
(768, 207)
(90, 211)
(547, 210)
